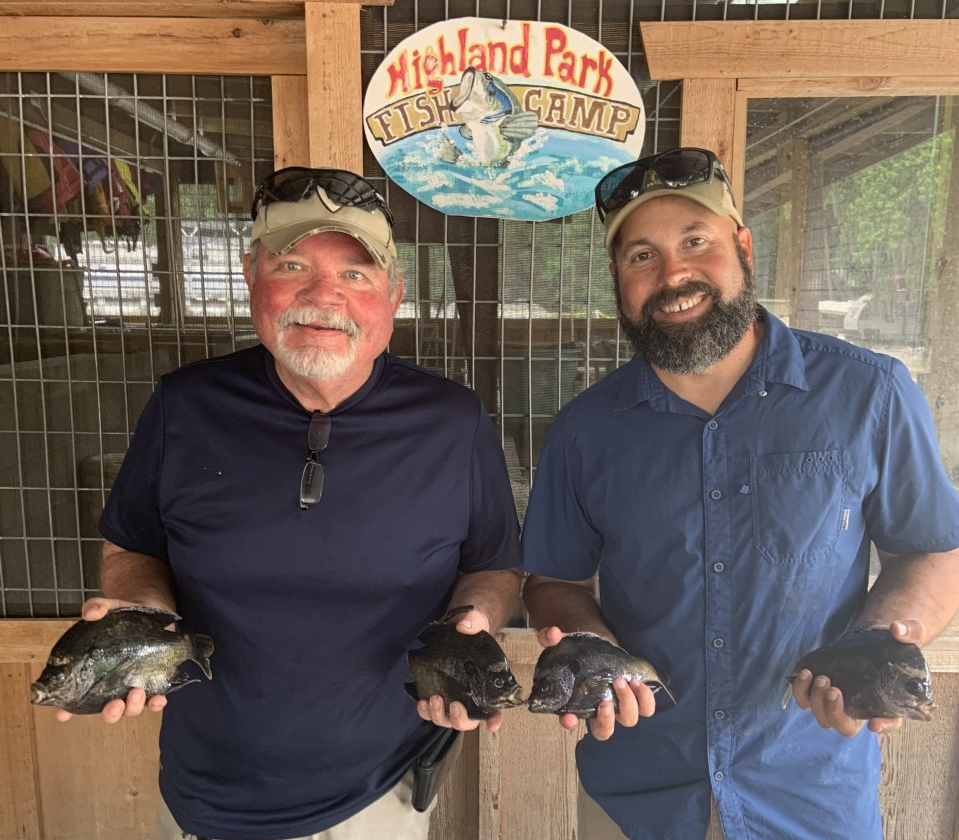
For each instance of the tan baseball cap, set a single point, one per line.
(279, 225)
(714, 195)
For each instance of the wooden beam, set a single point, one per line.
(800, 48)
(30, 639)
(335, 86)
(291, 134)
(851, 86)
(236, 46)
(262, 9)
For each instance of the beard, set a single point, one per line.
(316, 362)
(697, 345)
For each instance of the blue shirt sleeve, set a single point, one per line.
(558, 538)
(914, 507)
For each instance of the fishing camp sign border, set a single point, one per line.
(504, 119)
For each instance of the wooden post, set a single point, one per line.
(335, 89)
(291, 135)
(793, 162)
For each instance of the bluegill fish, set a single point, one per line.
(94, 662)
(576, 675)
(877, 675)
(470, 668)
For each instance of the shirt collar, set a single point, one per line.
(779, 359)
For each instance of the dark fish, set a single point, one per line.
(470, 668)
(97, 661)
(877, 675)
(576, 675)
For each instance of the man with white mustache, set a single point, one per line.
(725, 486)
(311, 504)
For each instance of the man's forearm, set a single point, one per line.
(493, 593)
(138, 578)
(569, 605)
(923, 587)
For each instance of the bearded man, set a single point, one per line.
(725, 486)
(311, 503)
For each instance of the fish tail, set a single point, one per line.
(787, 695)
(202, 650)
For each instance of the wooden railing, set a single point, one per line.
(90, 781)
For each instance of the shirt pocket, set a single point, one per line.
(798, 505)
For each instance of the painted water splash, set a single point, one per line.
(550, 175)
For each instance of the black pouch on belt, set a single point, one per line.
(432, 767)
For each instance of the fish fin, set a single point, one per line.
(496, 115)
(162, 617)
(519, 126)
(466, 132)
(455, 611)
(202, 650)
(410, 688)
(179, 681)
(656, 686)
(787, 695)
(449, 152)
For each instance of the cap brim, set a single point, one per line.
(282, 240)
(722, 207)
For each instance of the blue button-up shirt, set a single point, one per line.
(727, 547)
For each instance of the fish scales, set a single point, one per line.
(576, 675)
(94, 662)
(469, 668)
(879, 676)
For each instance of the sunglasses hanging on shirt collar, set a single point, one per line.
(675, 169)
(294, 183)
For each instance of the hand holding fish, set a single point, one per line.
(473, 671)
(136, 701)
(817, 693)
(634, 698)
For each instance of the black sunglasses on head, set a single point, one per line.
(675, 169)
(294, 183)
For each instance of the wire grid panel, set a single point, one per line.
(128, 264)
(124, 216)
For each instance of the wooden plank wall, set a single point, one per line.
(86, 780)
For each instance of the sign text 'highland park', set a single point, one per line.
(425, 69)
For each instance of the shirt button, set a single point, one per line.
(712, 424)
(763, 393)
(718, 775)
(715, 494)
(718, 643)
(719, 714)
(719, 567)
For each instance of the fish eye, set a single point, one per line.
(917, 688)
(499, 682)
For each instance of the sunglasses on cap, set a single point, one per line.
(676, 169)
(294, 183)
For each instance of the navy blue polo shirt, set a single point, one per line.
(312, 611)
(727, 546)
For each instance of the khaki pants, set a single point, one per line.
(391, 816)
(595, 824)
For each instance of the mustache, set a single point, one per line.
(311, 316)
(665, 297)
